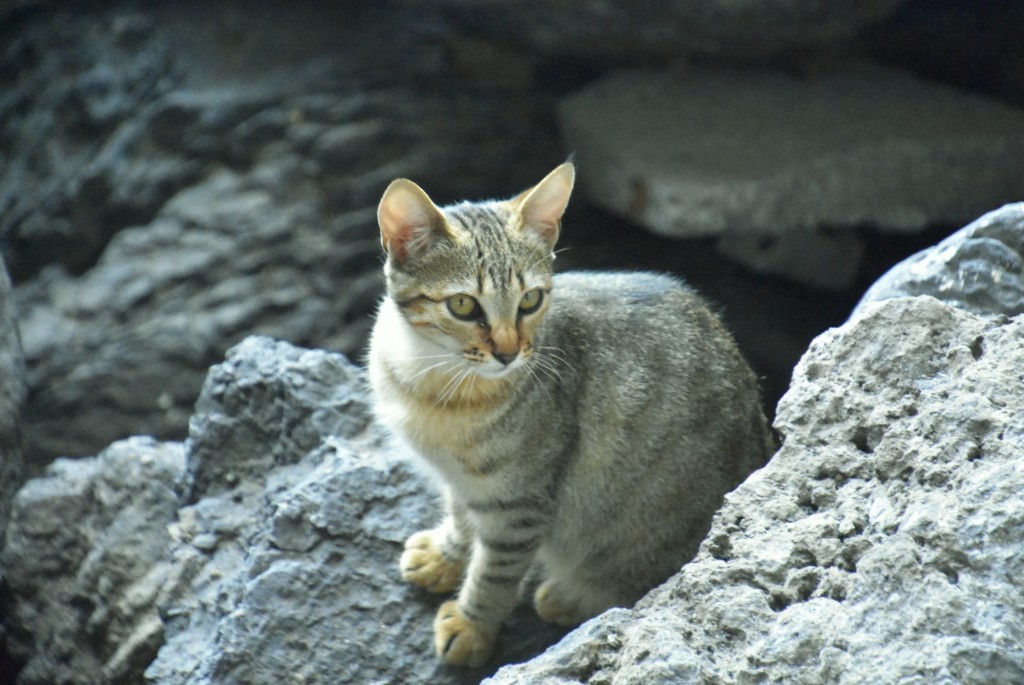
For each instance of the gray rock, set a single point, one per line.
(620, 32)
(824, 259)
(12, 396)
(882, 543)
(262, 550)
(85, 557)
(713, 150)
(66, 120)
(125, 347)
(241, 179)
(288, 558)
(979, 268)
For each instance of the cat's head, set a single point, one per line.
(474, 278)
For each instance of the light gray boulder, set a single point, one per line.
(767, 158)
(829, 260)
(979, 268)
(882, 543)
(713, 150)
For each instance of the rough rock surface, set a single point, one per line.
(979, 268)
(85, 558)
(262, 551)
(12, 395)
(619, 31)
(71, 175)
(238, 157)
(883, 543)
(755, 151)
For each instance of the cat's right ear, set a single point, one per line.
(409, 221)
(542, 206)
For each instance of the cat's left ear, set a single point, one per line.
(542, 206)
(409, 221)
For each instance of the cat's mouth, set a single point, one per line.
(494, 368)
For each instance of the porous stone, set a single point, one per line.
(754, 151)
(979, 268)
(882, 543)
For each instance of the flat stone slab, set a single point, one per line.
(708, 151)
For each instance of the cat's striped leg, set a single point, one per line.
(434, 559)
(505, 546)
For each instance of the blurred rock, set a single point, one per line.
(824, 259)
(126, 346)
(978, 46)
(617, 32)
(979, 268)
(72, 173)
(715, 150)
(251, 150)
(882, 543)
(12, 471)
(12, 396)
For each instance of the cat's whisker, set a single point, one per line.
(459, 387)
(537, 261)
(554, 355)
(548, 367)
(446, 355)
(442, 395)
(536, 380)
(452, 387)
(549, 255)
(424, 371)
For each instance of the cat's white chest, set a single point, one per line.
(437, 431)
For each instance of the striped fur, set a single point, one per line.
(593, 448)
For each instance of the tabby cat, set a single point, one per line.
(585, 424)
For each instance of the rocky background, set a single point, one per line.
(176, 177)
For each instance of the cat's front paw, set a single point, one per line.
(424, 564)
(460, 641)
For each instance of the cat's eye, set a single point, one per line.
(531, 300)
(463, 307)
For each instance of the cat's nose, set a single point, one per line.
(505, 359)
(505, 343)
